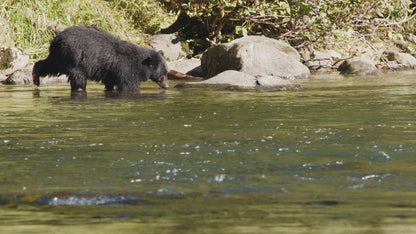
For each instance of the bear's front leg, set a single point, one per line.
(78, 81)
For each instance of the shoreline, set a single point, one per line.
(18, 65)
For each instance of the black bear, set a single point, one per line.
(83, 53)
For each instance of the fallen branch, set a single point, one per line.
(388, 23)
(175, 75)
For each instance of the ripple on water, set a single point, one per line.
(85, 200)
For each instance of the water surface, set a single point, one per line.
(335, 156)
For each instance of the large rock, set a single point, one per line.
(19, 77)
(254, 55)
(232, 79)
(24, 77)
(169, 44)
(358, 66)
(11, 59)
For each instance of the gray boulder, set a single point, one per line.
(19, 77)
(11, 59)
(358, 66)
(254, 55)
(24, 77)
(403, 60)
(169, 44)
(236, 80)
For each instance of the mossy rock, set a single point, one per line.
(6, 58)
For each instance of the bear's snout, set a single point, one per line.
(164, 83)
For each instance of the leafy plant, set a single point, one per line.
(298, 21)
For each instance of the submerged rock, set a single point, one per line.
(231, 79)
(254, 55)
(275, 83)
(358, 66)
(226, 79)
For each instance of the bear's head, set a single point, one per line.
(159, 69)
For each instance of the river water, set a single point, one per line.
(336, 156)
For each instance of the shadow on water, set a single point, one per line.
(133, 95)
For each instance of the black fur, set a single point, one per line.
(91, 53)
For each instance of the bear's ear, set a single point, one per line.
(161, 52)
(148, 62)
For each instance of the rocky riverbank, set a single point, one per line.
(262, 63)
(281, 65)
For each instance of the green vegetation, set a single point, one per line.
(31, 22)
(324, 24)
